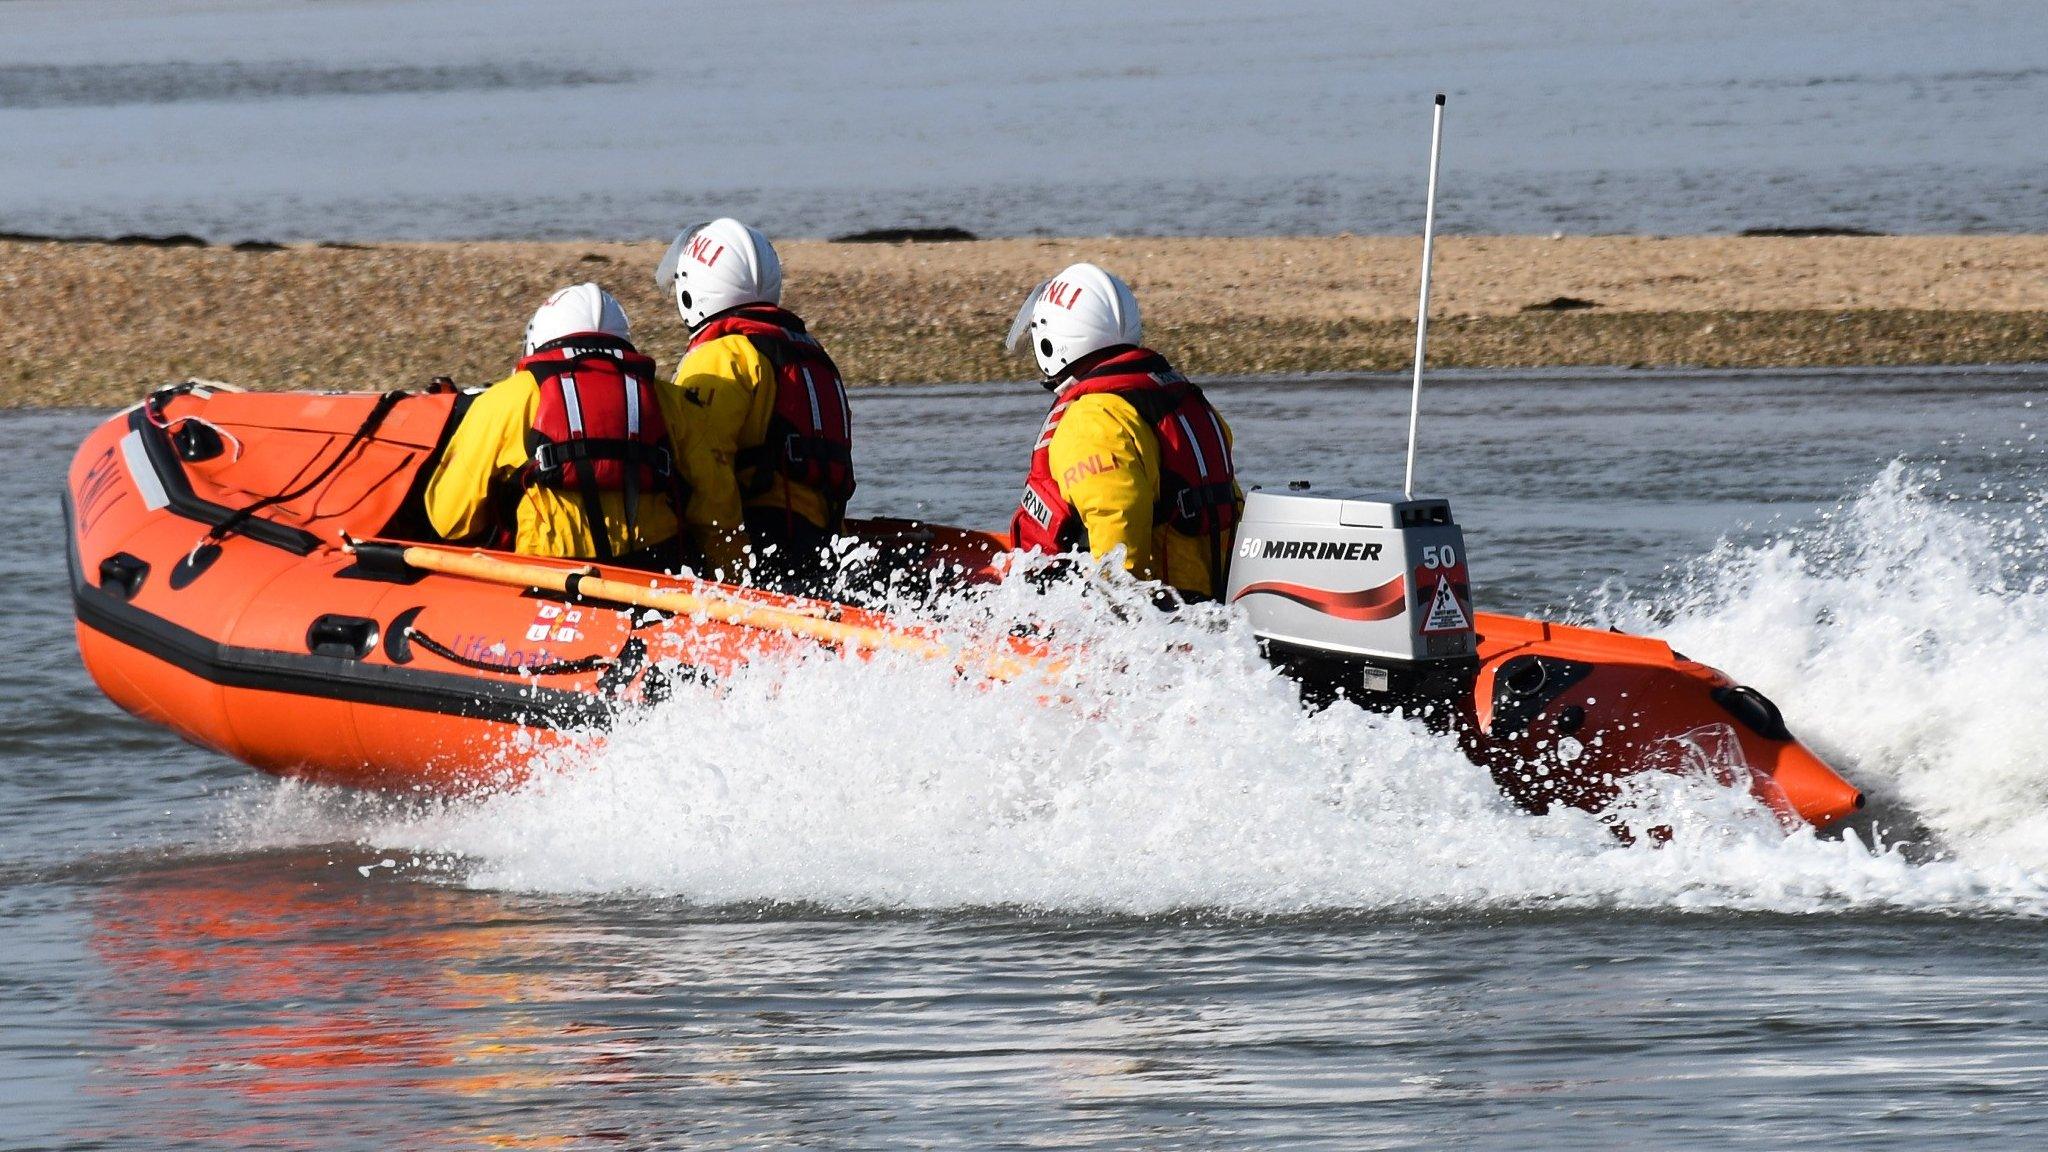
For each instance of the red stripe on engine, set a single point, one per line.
(1378, 603)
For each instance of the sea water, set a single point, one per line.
(353, 119)
(864, 905)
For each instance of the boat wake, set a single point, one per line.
(1903, 636)
(1175, 772)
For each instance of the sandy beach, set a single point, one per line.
(98, 323)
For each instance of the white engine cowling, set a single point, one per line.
(1379, 576)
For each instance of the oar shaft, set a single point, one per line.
(492, 569)
(682, 601)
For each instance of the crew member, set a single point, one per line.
(764, 427)
(1131, 455)
(571, 454)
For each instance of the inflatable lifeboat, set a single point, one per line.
(254, 572)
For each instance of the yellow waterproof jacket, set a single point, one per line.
(727, 391)
(1106, 460)
(482, 465)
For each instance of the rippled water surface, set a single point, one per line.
(857, 907)
(286, 119)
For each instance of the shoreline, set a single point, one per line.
(102, 323)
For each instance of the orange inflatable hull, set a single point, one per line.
(265, 637)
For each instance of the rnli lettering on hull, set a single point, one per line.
(1308, 550)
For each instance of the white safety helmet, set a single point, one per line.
(574, 310)
(1079, 311)
(720, 265)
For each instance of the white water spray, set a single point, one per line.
(1904, 641)
(1175, 772)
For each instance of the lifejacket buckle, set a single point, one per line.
(1210, 509)
(545, 457)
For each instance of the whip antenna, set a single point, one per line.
(1436, 141)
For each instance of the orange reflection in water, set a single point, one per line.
(254, 999)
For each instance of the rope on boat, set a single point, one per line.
(241, 516)
(551, 668)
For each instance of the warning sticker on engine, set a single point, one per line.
(1445, 613)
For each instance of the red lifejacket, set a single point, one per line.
(1198, 493)
(810, 436)
(598, 428)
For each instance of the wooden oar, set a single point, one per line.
(810, 623)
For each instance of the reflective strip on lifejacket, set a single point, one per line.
(811, 390)
(573, 406)
(799, 443)
(1052, 423)
(1229, 465)
(1194, 445)
(612, 440)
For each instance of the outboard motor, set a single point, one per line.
(1364, 598)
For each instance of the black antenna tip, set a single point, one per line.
(1439, 99)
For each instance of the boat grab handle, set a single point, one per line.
(346, 637)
